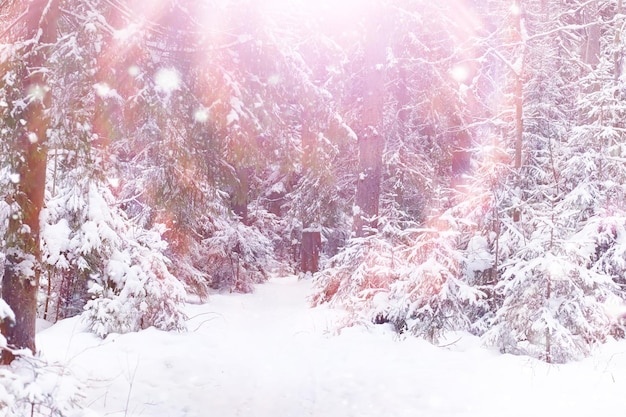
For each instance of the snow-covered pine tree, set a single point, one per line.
(551, 300)
(95, 254)
(594, 171)
(412, 274)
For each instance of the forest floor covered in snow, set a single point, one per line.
(268, 354)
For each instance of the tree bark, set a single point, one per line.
(519, 101)
(310, 250)
(371, 141)
(591, 46)
(617, 55)
(239, 198)
(404, 102)
(20, 283)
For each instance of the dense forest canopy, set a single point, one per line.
(436, 166)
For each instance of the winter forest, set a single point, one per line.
(426, 167)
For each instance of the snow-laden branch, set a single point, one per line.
(567, 28)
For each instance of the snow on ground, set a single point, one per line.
(268, 355)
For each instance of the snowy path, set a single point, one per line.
(268, 355)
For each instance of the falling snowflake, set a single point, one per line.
(167, 80)
(201, 115)
(37, 92)
(273, 79)
(133, 70)
(114, 182)
(460, 73)
(102, 90)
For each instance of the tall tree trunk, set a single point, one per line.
(371, 141)
(311, 241)
(617, 55)
(239, 198)
(519, 99)
(591, 45)
(403, 112)
(310, 250)
(20, 283)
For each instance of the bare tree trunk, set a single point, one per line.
(23, 262)
(371, 140)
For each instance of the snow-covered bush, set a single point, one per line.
(432, 294)
(237, 257)
(552, 309)
(98, 259)
(420, 288)
(279, 231)
(32, 387)
(136, 290)
(552, 291)
(232, 256)
(602, 243)
(115, 269)
(188, 262)
(355, 275)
